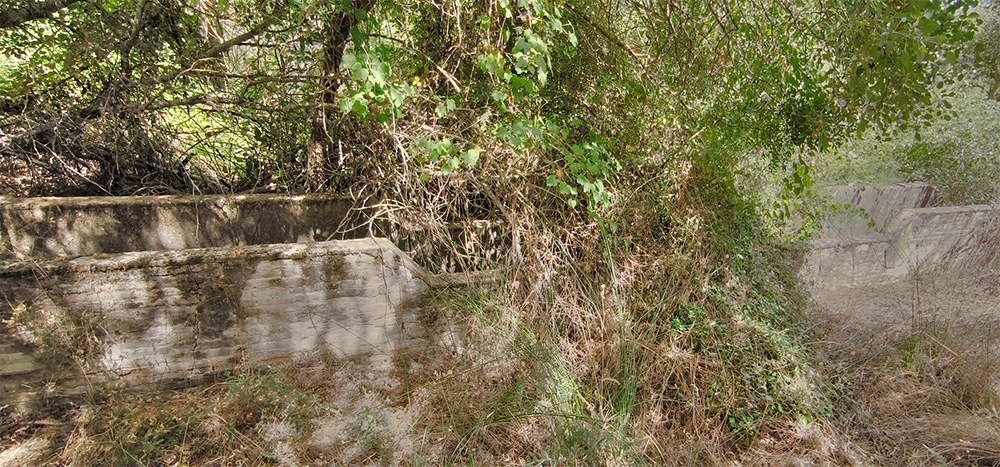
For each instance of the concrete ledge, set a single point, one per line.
(149, 317)
(45, 228)
(826, 243)
(847, 262)
(953, 239)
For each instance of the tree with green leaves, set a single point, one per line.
(97, 91)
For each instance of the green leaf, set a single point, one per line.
(395, 97)
(349, 61)
(471, 156)
(359, 36)
(928, 26)
(378, 72)
(565, 189)
(359, 74)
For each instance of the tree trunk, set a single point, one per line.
(337, 31)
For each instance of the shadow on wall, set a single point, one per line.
(894, 236)
(70, 227)
(175, 317)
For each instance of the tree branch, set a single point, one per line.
(13, 17)
(218, 50)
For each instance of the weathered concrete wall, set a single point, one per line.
(953, 240)
(175, 315)
(70, 227)
(873, 208)
(958, 241)
(849, 262)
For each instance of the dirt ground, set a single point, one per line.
(967, 304)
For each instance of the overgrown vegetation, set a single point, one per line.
(643, 314)
(958, 153)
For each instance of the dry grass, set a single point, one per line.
(672, 341)
(658, 331)
(919, 388)
(681, 346)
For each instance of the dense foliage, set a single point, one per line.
(957, 152)
(127, 96)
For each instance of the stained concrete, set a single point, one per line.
(871, 209)
(176, 316)
(908, 240)
(46, 228)
(952, 240)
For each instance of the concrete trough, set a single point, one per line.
(953, 240)
(908, 240)
(46, 228)
(175, 289)
(849, 262)
(873, 208)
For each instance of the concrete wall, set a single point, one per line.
(163, 317)
(43, 228)
(873, 208)
(953, 240)
(958, 241)
(848, 262)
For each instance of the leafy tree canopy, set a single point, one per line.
(129, 96)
